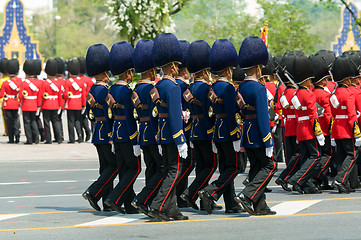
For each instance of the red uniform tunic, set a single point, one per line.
(10, 90)
(357, 93)
(345, 114)
(331, 86)
(88, 82)
(323, 99)
(75, 97)
(289, 113)
(306, 115)
(51, 95)
(60, 82)
(30, 94)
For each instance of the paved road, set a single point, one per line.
(40, 198)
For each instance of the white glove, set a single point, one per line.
(269, 152)
(183, 150)
(191, 145)
(37, 112)
(186, 115)
(358, 142)
(274, 128)
(237, 145)
(214, 148)
(82, 111)
(321, 139)
(160, 150)
(136, 150)
(333, 142)
(113, 148)
(59, 111)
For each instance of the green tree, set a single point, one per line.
(137, 19)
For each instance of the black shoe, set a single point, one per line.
(71, 142)
(235, 209)
(87, 137)
(27, 143)
(141, 207)
(11, 142)
(182, 204)
(132, 210)
(245, 182)
(216, 207)
(46, 142)
(296, 186)
(267, 189)
(189, 201)
(327, 187)
(341, 187)
(36, 140)
(87, 196)
(114, 206)
(312, 190)
(79, 140)
(266, 211)
(207, 200)
(157, 214)
(17, 138)
(246, 203)
(107, 208)
(283, 184)
(179, 217)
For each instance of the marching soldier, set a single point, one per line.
(30, 100)
(124, 134)
(257, 138)
(146, 112)
(345, 129)
(51, 102)
(10, 92)
(4, 77)
(167, 55)
(292, 150)
(75, 97)
(60, 82)
(97, 65)
(202, 125)
(88, 83)
(309, 132)
(226, 134)
(188, 165)
(322, 67)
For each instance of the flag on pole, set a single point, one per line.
(264, 33)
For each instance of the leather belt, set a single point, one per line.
(163, 115)
(118, 105)
(144, 107)
(223, 115)
(197, 116)
(144, 119)
(99, 119)
(119, 118)
(341, 117)
(303, 118)
(252, 116)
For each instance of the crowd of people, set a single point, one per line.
(49, 96)
(203, 108)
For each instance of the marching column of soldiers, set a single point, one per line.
(33, 95)
(197, 107)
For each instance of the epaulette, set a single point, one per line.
(170, 78)
(225, 80)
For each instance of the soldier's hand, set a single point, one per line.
(183, 150)
(237, 145)
(136, 150)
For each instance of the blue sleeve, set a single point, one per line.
(263, 117)
(175, 114)
(230, 105)
(131, 123)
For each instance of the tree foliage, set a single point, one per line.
(143, 19)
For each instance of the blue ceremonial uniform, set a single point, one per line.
(170, 123)
(202, 126)
(149, 126)
(226, 128)
(125, 127)
(102, 129)
(256, 126)
(185, 106)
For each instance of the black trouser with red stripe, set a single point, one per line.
(128, 170)
(264, 169)
(153, 174)
(30, 126)
(292, 152)
(228, 169)
(310, 157)
(206, 164)
(346, 151)
(166, 200)
(51, 116)
(326, 159)
(187, 168)
(108, 171)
